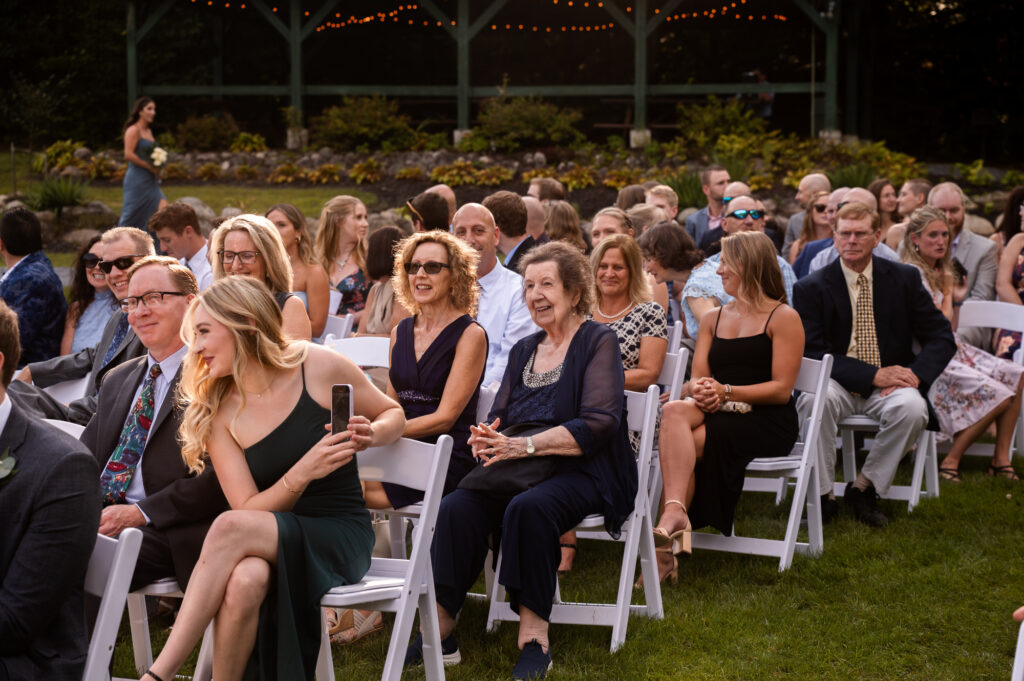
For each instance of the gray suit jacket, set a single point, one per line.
(87, 362)
(979, 257)
(178, 504)
(697, 225)
(51, 511)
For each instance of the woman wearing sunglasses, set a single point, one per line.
(816, 225)
(437, 355)
(91, 304)
(250, 245)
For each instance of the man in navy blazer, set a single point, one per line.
(713, 181)
(894, 390)
(50, 509)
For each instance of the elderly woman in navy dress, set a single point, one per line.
(142, 195)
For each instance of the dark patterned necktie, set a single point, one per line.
(120, 468)
(119, 334)
(864, 324)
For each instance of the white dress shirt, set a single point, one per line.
(136, 492)
(502, 312)
(200, 266)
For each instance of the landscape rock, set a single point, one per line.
(82, 153)
(230, 212)
(80, 237)
(72, 171)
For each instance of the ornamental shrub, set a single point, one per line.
(58, 193)
(57, 156)
(369, 122)
(212, 132)
(510, 123)
(249, 143)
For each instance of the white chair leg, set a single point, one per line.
(849, 456)
(139, 621)
(396, 526)
(433, 662)
(649, 569)
(324, 661)
(204, 665)
(931, 469)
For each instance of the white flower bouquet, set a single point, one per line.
(159, 156)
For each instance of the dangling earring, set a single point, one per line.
(917, 249)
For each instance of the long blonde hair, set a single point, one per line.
(335, 212)
(916, 224)
(752, 256)
(267, 239)
(246, 307)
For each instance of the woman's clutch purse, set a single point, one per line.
(736, 407)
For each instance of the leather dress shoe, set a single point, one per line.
(865, 506)
(829, 509)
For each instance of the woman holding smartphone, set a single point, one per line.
(298, 525)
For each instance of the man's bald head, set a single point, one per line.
(861, 195)
(811, 185)
(474, 224)
(737, 188)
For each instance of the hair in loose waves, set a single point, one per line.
(639, 290)
(463, 289)
(248, 310)
(267, 241)
(328, 235)
(916, 224)
(752, 256)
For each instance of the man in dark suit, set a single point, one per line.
(133, 435)
(50, 509)
(867, 312)
(30, 286)
(713, 181)
(510, 217)
(122, 246)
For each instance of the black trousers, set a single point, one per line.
(530, 524)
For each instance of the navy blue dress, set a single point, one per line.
(420, 385)
(142, 194)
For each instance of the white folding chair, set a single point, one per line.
(108, 576)
(637, 540)
(333, 300)
(366, 351)
(675, 337)
(397, 585)
(339, 327)
(138, 620)
(485, 400)
(801, 466)
(1018, 659)
(926, 462)
(66, 392)
(72, 429)
(995, 315)
(673, 371)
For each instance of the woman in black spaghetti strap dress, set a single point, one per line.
(741, 398)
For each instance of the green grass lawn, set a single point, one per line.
(310, 200)
(929, 597)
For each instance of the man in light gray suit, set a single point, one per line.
(50, 506)
(978, 255)
(122, 246)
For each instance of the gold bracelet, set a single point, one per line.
(284, 481)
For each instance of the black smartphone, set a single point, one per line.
(341, 407)
(959, 271)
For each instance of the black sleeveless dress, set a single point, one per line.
(733, 440)
(420, 385)
(324, 541)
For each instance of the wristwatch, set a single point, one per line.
(530, 449)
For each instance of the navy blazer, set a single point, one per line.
(34, 291)
(50, 510)
(904, 313)
(697, 225)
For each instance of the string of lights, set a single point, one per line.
(399, 15)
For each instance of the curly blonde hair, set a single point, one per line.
(246, 307)
(266, 239)
(462, 260)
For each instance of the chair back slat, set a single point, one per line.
(365, 351)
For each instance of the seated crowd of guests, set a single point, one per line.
(206, 394)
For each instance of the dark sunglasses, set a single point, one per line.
(90, 260)
(820, 207)
(122, 263)
(726, 200)
(430, 267)
(742, 214)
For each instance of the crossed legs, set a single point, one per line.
(227, 586)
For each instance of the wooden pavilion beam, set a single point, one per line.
(829, 25)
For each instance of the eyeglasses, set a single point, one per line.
(853, 236)
(246, 257)
(820, 207)
(430, 267)
(90, 260)
(742, 214)
(123, 263)
(149, 300)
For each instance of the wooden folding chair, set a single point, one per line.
(637, 540)
(801, 466)
(398, 585)
(108, 576)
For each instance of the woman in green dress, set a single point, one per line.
(258, 406)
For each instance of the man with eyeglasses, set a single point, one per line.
(143, 480)
(30, 287)
(501, 309)
(122, 246)
(867, 312)
(830, 253)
